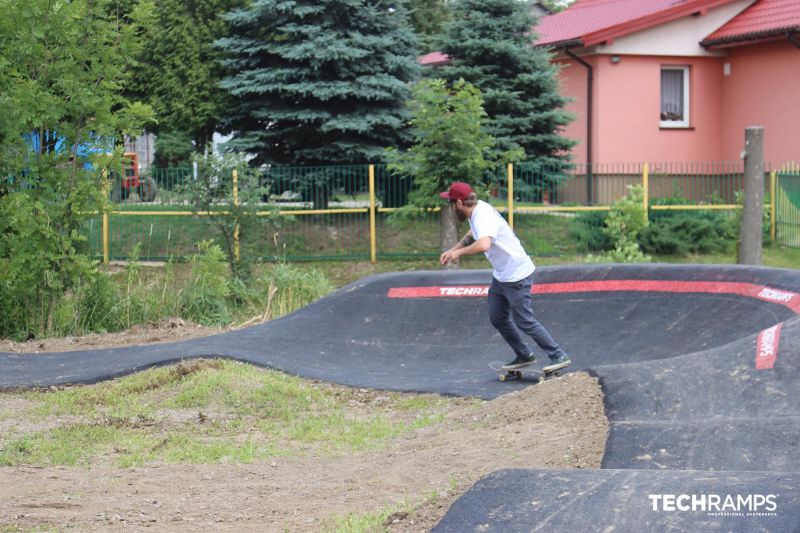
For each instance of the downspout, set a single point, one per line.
(589, 109)
(792, 39)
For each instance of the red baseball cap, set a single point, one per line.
(458, 191)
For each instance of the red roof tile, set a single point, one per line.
(589, 16)
(433, 59)
(593, 21)
(765, 18)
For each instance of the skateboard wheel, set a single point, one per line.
(518, 375)
(502, 377)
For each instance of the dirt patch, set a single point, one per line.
(169, 330)
(557, 424)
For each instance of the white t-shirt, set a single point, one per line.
(507, 256)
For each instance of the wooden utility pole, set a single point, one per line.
(750, 240)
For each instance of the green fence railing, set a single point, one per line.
(346, 212)
(787, 206)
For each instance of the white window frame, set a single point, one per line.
(684, 122)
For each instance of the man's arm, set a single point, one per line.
(466, 246)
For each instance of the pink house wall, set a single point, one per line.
(572, 80)
(626, 110)
(762, 90)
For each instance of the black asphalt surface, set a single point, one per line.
(676, 350)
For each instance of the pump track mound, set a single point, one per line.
(700, 366)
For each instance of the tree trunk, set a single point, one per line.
(753, 211)
(449, 232)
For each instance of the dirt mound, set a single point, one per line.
(557, 424)
(173, 329)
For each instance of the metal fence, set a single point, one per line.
(348, 212)
(786, 224)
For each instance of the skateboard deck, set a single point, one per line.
(534, 369)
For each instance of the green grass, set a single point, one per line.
(371, 522)
(205, 412)
(375, 521)
(771, 256)
(11, 528)
(334, 236)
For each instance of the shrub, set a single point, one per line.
(588, 230)
(205, 300)
(39, 264)
(289, 287)
(683, 234)
(625, 220)
(95, 309)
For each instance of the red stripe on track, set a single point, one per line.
(767, 346)
(768, 340)
(751, 290)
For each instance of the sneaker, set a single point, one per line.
(557, 362)
(519, 362)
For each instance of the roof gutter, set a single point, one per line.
(754, 38)
(792, 39)
(589, 113)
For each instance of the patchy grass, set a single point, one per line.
(360, 522)
(771, 256)
(11, 528)
(206, 411)
(384, 518)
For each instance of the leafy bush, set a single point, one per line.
(39, 264)
(231, 220)
(92, 306)
(62, 108)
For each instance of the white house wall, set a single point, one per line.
(677, 38)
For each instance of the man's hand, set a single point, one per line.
(480, 246)
(450, 256)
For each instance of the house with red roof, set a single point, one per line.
(677, 80)
(672, 80)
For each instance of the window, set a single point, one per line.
(674, 97)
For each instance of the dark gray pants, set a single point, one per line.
(511, 311)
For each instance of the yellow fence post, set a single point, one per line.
(373, 249)
(511, 195)
(105, 221)
(646, 189)
(772, 190)
(236, 205)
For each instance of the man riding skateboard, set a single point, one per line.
(510, 308)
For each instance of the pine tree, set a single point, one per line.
(492, 46)
(319, 83)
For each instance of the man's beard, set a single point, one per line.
(461, 216)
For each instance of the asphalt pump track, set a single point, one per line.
(700, 366)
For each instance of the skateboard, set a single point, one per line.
(544, 373)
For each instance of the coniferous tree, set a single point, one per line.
(319, 83)
(491, 45)
(178, 72)
(428, 17)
